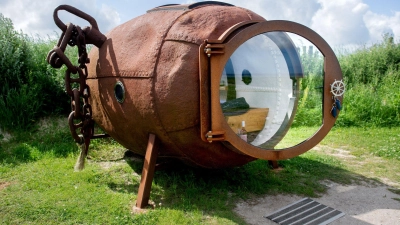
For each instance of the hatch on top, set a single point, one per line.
(187, 6)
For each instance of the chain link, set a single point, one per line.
(80, 106)
(75, 76)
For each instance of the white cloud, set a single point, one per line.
(300, 11)
(341, 22)
(36, 17)
(378, 25)
(109, 14)
(338, 22)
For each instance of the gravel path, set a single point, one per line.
(362, 204)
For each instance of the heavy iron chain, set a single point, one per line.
(76, 87)
(81, 109)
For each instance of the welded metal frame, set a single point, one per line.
(214, 54)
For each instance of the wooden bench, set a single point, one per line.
(254, 118)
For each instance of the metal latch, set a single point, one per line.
(214, 49)
(215, 136)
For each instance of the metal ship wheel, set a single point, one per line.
(338, 88)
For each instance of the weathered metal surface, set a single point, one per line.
(167, 65)
(153, 84)
(155, 56)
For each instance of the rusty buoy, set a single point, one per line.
(157, 60)
(217, 85)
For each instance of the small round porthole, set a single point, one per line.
(119, 91)
(246, 77)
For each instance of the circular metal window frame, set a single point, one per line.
(121, 85)
(213, 124)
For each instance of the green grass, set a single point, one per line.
(370, 153)
(360, 141)
(375, 151)
(38, 184)
(378, 141)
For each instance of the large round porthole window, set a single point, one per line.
(259, 87)
(119, 91)
(261, 80)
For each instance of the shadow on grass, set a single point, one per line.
(215, 191)
(123, 188)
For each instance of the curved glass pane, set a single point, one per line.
(260, 85)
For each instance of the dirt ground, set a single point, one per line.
(362, 204)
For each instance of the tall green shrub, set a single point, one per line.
(14, 78)
(50, 81)
(373, 104)
(369, 65)
(14, 51)
(372, 80)
(29, 88)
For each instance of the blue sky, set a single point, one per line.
(341, 22)
(384, 6)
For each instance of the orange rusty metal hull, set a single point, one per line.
(155, 56)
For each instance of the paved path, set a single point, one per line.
(362, 204)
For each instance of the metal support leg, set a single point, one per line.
(273, 163)
(147, 173)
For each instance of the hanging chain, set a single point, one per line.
(75, 76)
(76, 88)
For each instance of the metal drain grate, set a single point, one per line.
(305, 211)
